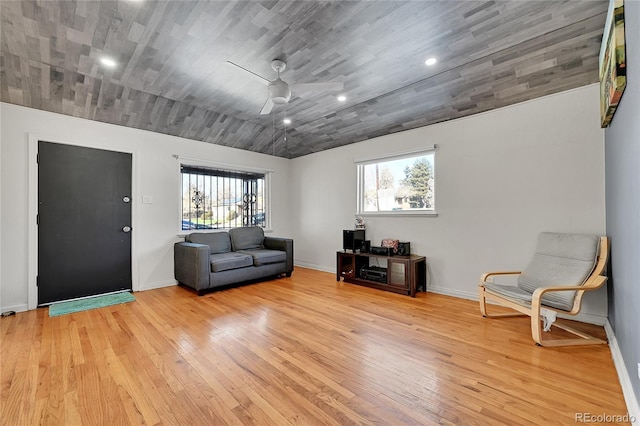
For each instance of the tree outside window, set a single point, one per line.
(398, 185)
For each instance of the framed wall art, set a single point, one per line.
(613, 71)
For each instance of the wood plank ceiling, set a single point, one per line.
(171, 75)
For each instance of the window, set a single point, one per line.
(222, 199)
(402, 183)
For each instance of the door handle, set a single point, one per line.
(126, 229)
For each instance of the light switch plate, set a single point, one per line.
(147, 199)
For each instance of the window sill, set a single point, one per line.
(183, 234)
(399, 213)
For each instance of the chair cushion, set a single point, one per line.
(218, 242)
(510, 291)
(266, 257)
(560, 259)
(226, 261)
(247, 238)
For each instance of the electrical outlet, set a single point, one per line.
(147, 199)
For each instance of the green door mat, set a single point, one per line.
(62, 308)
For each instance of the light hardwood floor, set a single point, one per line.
(302, 350)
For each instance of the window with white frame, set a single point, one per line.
(222, 199)
(401, 183)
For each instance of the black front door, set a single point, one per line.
(84, 220)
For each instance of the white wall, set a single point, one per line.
(155, 174)
(501, 178)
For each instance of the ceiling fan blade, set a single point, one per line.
(317, 87)
(257, 77)
(267, 107)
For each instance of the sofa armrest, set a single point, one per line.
(191, 264)
(283, 244)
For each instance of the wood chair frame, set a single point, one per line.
(594, 282)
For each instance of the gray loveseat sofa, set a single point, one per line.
(205, 261)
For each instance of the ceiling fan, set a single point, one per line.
(279, 91)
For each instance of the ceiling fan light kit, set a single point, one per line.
(279, 92)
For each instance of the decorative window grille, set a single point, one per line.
(221, 199)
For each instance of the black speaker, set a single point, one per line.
(352, 240)
(366, 246)
(381, 251)
(404, 249)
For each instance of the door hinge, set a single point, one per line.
(37, 280)
(37, 219)
(38, 158)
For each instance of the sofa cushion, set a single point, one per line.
(560, 259)
(266, 257)
(226, 261)
(247, 238)
(219, 242)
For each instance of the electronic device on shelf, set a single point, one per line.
(397, 274)
(404, 249)
(383, 251)
(374, 273)
(352, 239)
(366, 246)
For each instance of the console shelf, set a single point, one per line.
(405, 274)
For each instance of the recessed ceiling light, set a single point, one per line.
(108, 62)
(342, 98)
(431, 61)
(287, 121)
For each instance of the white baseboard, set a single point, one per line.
(15, 308)
(623, 374)
(158, 284)
(322, 268)
(452, 292)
